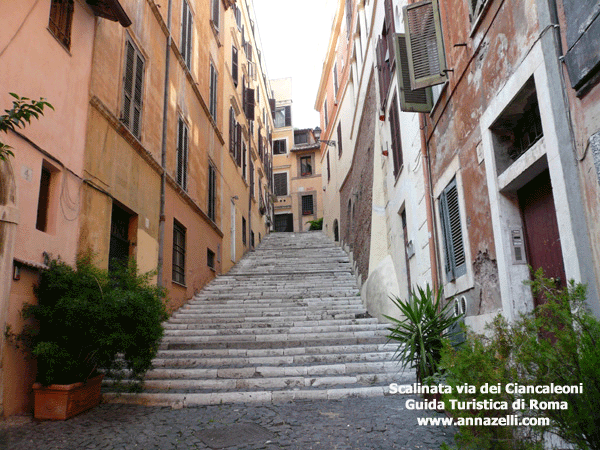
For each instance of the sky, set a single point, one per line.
(294, 36)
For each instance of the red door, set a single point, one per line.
(541, 228)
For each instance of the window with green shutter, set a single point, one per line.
(418, 100)
(424, 44)
(454, 250)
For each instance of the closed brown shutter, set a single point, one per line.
(249, 103)
(133, 78)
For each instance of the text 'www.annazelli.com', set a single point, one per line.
(510, 420)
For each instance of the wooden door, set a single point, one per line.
(542, 238)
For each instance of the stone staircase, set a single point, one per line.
(286, 323)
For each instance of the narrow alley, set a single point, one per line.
(281, 353)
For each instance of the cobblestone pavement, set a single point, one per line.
(352, 423)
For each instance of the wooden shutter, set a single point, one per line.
(339, 136)
(390, 24)
(186, 34)
(231, 131)
(238, 145)
(128, 81)
(418, 100)
(234, 65)
(215, 13)
(383, 69)
(288, 116)
(213, 92)
(182, 154)
(395, 131)
(249, 103)
(424, 44)
(212, 191)
(455, 261)
(281, 184)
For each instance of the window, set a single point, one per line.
(582, 58)
(328, 168)
(118, 250)
(244, 231)
(281, 188)
(418, 100)
(279, 147)
(61, 19)
(306, 166)
(212, 192)
(348, 18)
(214, 14)
(43, 200)
(251, 239)
(518, 128)
(248, 99)
(232, 133)
(395, 131)
(339, 141)
(301, 138)
(186, 34)
(283, 117)
(132, 88)
(238, 16)
(307, 205)
(234, 65)
(384, 62)
(251, 178)
(210, 258)
(424, 44)
(244, 160)
(325, 113)
(178, 253)
(454, 252)
(335, 81)
(213, 92)
(476, 7)
(182, 154)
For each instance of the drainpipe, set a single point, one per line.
(433, 256)
(163, 154)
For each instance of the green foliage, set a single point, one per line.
(23, 110)
(87, 321)
(316, 224)
(427, 320)
(556, 343)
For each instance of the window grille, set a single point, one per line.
(307, 205)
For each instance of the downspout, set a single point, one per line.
(433, 256)
(163, 154)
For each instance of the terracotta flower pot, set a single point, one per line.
(61, 401)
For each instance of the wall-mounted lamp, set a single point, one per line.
(235, 197)
(317, 134)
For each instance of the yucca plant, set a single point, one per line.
(426, 321)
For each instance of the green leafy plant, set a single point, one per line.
(23, 110)
(88, 321)
(557, 343)
(316, 224)
(426, 321)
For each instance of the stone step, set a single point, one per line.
(198, 330)
(240, 323)
(181, 400)
(286, 323)
(350, 368)
(292, 360)
(316, 351)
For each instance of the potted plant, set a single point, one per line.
(87, 323)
